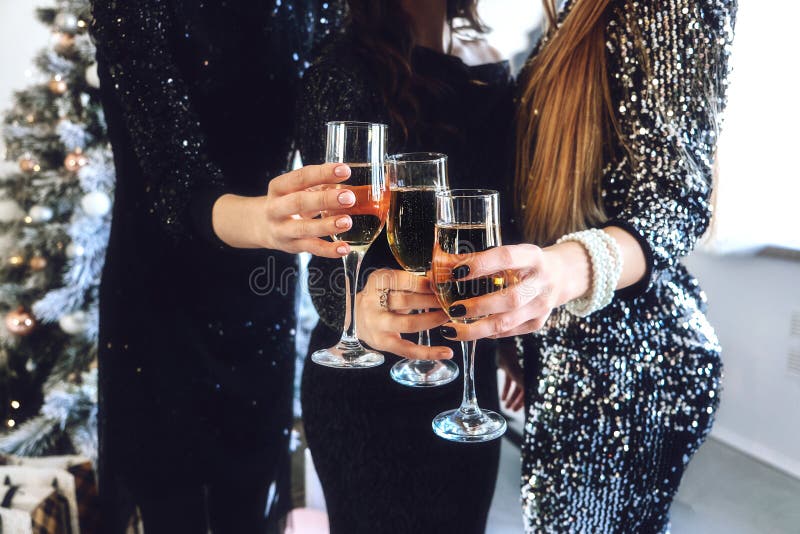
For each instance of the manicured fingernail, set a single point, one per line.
(461, 271)
(457, 310)
(343, 249)
(347, 198)
(342, 171)
(445, 355)
(343, 222)
(447, 331)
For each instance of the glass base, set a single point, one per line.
(465, 427)
(424, 373)
(348, 355)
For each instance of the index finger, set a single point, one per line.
(408, 349)
(397, 280)
(488, 262)
(309, 176)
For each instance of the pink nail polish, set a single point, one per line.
(347, 198)
(342, 171)
(343, 222)
(342, 250)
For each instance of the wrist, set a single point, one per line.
(574, 268)
(235, 220)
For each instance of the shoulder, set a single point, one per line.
(340, 85)
(338, 62)
(475, 50)
(699, 14)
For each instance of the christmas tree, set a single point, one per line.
(54, 222)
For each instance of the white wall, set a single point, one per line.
(511, 22)
(758, 146)
(21, 36)
(751, 301)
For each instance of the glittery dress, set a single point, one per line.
(382, 469)
(196, 347)
(618, 403)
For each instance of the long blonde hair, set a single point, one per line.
(565, 123)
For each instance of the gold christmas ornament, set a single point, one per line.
(75, 160)
(20, 322)
(28, 164)
(38, 263)
(57, 85)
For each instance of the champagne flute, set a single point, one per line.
(362, 146)
(466, 223)
(414, 180)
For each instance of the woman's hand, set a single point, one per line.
(283, 219)
(514, 386)
(541, 280)
(381, 327)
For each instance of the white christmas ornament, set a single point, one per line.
(66, 22)
(92, 78)
(74, 323)
(10, 210)
(74, 250)
(96, 203)
(40, 214)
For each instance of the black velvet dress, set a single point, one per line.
(382, 469)
(196, 348)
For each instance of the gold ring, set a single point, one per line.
(383, 298)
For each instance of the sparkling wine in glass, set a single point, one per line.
(466, 223)
(362, 146)
(414, 180)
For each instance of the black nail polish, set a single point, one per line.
(447, 331)
(461, 271)
(458, 310)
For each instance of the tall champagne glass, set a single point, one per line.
(414, 180)
(466, 223)
(362, 146)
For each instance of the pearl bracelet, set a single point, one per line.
(606, 259)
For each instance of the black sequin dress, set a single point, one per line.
(618, 402)
(382, 469)
(196, 365)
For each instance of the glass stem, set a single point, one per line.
(469, 403)
(424, 338)
(352, 267)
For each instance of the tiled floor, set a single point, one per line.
(723, 492)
